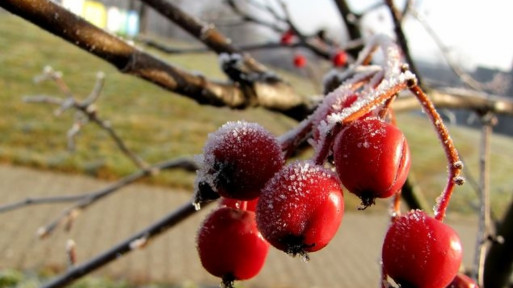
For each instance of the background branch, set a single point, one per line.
(275, 95)
(401, 38)
(87, 108)
(459, 99)
(488, 120)
(204, 32)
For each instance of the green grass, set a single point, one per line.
(158, 125)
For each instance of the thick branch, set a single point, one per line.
(128, 59)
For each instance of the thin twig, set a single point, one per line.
(88, 112)
(488, 120)
(88, 199)
(187, 164)
(246, 48)
(401, 37)
(278, 24)
(465, 77)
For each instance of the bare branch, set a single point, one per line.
(465, 77)
(275, 25)
(204, 32)
(274, 95)
(86, 199)
(88, 112)
(171, 50)
(351, 23)
(401, 37)
(484, 228)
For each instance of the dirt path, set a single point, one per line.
(351, 260)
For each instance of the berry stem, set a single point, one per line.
(292, 139)
(243, 205)
(325, 145)
(383, 97)
(454, 163)
(396, 206)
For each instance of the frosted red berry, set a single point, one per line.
(340, 59)
(420, 251)
(300, 208)
(239, 159)
(299, 61)
(372, 159)
(230, 245)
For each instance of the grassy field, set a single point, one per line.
(158, 125)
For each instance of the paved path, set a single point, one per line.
(351, 259)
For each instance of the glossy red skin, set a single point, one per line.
(340, 59)
(420, 251)
(462, 281)
(230, 245)
(372, 159)
(299, 61)
(249, 205)
(303, 214)
(243, 164)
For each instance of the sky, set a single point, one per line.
(477, 34)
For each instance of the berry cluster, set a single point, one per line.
(297, 207)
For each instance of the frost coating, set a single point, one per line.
(300, 208)
(421, 251)
(238, 159)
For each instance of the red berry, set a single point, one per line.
(230, 245)
(372, 159)
(462, 281)
(239, 159)
(299, 61)
(340, 59)
(300, 208)
(287, 37)
(420, 251)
